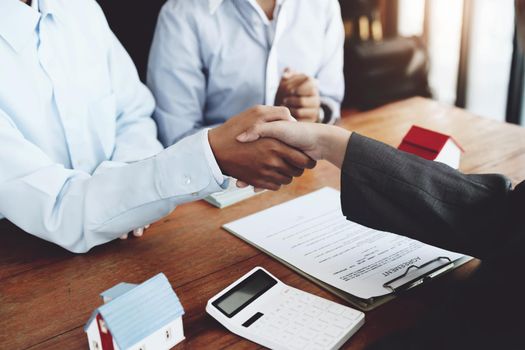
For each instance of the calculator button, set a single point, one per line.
(313, 311)
(305, 319)
(335, 332)
(326, 318)
(295, 329)
(270, 329)
(319, 326)
(252, 319)
(352, 315)
(297, 344)
(307, 298)
(336, 309)
(281, 322)
(290, 314)
(308, 334)
(320, 303)
(324, 340)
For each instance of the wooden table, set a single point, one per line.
(47, 294)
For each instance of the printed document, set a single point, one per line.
(311, 234)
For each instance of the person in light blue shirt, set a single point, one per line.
(80, 163)
(211, 59)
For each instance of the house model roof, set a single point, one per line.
(135, 312)
(425, 143)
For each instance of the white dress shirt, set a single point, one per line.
(212, 59)
(79, 159)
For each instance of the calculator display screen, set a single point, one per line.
(244, 293)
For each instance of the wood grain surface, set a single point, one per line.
(47, 293)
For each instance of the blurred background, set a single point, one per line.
(459, 52)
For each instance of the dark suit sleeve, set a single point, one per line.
(394, 191)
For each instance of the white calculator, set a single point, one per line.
(266, 311)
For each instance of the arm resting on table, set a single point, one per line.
(398, 192)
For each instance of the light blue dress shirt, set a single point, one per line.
(212, 59)
(79, 157)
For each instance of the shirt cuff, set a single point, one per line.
(212, 162)
(188, 168)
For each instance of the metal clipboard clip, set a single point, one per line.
(397, 285)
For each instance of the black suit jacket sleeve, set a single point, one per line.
(394, 191)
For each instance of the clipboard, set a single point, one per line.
(305, 232)
(436, 268)
(398, 285)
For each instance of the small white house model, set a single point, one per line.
(137, 317)
(432, 145)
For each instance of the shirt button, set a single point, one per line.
(195, 194)
(187, 180)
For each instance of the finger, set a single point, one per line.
(294, 171)
(287, 170)
(138, 232)
(279, 171)
(298, 159)
(249, 135)
(263, 183)
(272, 113)
(288, 73)
(242, 184)
(308, 88)
(277, 177)
(124, 236)
(266, 185)
(277, 130)
(302, 102)
(291, 85)
(306, 114)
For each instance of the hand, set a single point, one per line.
(265, 163)
(319, 141)
(300, 94)
(138, 232)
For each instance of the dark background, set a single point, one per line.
(133, 22)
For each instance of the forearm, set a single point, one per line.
(333, 143)
(78, 211)
(394, 191)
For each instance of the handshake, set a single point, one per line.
(266, 147)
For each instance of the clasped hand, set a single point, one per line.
(300, 94)
(266, 163)
(266, 147)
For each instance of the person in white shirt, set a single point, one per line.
(80, 163)
(212, 59)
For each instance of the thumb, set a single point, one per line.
(255, 132)
(248, 136)
(287, 73)
(275, 114)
